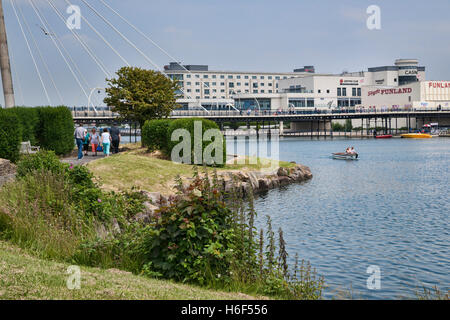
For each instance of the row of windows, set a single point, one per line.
(230, 76)
(230, 84)
(208, 91)
(342, 92)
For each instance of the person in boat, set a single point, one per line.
(347, 150)
(353, 151)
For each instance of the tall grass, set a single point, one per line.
(36, 212)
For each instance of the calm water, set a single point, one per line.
(390, 208)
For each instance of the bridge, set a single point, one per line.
(302, 122)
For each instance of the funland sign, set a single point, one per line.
(389, 91)
(438, 84)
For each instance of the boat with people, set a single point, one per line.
(416, 135)
(349, 154)
(345, 156)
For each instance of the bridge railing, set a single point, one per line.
(246, 113)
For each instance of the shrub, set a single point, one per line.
(200, 143)
(29, 121)
(10, 135)
(154, 134)
(56, 129)
(41, 161)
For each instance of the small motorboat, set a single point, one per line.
(384, 136)
(416, 135)
(345, 156)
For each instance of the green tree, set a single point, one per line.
(139, 95)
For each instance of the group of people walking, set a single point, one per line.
(105, 141)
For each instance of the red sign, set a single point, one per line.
(390, 91)
(440, 84)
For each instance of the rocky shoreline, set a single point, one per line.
(241, 183)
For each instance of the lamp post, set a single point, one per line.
(5, 65)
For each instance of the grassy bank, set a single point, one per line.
(137, 168)
(23, 276)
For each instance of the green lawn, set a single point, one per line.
(136, 168)
(23, 276)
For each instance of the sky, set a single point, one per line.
(235, 35)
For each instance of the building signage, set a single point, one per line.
(379, 81)
(349, 82)
(440, 84)
(389, 91)
(408, 72)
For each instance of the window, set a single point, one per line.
(339, 93)
(354, 92)
(277, 77)
(255, 91)
(214, 76)
(262, 84)
(246, 91)
(246, 77)
(247, 84)
(205, 76)
(197, 76)
(222, 90)
(255, 85)
(222, 83)
(344, 92)
(231, 84)
(269, 77)
(328, 91)
(214, 83)
(238, 77)
(188, 83)
(270, 91)
(197, 90)
(188, 76)
(262, 77)
(230, 77)
(214, 90)
(238, 84)
(319, 91)
(197, 83)
(188, 90)
(206, 91)
(222, 76)
(359, 92)
(206, 97)
(270, 84)
(262, 91)
(206, 84)
(253, 77)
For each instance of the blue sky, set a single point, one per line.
(246, 35)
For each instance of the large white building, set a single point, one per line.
(402, 85)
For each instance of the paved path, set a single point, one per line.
(86, 159)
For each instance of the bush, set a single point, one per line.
(189, 125)
(41, 161)
(10, 135)
(154, 134)
(55, 129)
(29, 121)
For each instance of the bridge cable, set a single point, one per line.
(47, 26)
(31, 52)
(103, 38)
(153, 42)
(40, 54)
(82, 42)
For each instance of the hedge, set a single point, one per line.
(10, 135)
(55, 129)
(29, 121)
(154, 134)
(189, 125)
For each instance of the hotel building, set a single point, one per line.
(402, 85)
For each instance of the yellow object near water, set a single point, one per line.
(416, 135)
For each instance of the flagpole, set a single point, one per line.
(5, 64)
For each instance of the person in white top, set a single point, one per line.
(106, 142)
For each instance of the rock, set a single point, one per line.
(282, 172)
(253, 181)
(150, 208)
(284, 181)
(155, 198)
(7, 168)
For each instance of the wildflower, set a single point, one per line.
(99, 200)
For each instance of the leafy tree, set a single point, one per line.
(139, 95)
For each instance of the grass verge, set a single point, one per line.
(24, 276)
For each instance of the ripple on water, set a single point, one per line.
(387, 209)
